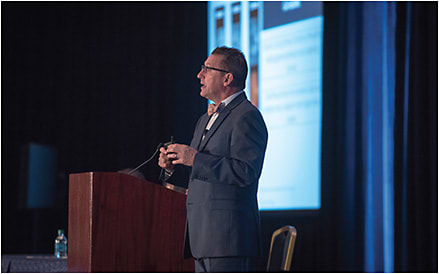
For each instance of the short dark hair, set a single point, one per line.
(234, 61)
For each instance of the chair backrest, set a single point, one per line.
(281, 249)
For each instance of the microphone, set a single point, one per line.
(156, 150)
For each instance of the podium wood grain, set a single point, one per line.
(119, 223)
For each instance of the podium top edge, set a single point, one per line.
(101, 173)
(104, 173)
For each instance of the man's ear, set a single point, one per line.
(228, 79)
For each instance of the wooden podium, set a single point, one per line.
(119, 223)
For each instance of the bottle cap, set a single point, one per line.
(60, 231)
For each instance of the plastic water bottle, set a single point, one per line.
(61, 245)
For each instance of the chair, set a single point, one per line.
(281, 249)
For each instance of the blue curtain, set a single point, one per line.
(370, 86)
(378, 89)
(391, 133)
(379, 145)
(416, 139)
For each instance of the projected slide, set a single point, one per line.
(283, 44)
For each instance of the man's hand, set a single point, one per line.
(164, 161)
(181, 154)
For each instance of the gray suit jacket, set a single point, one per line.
(222, 208)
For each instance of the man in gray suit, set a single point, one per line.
(226, 157)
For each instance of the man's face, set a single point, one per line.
(212, 81)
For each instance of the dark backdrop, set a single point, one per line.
(104, 83)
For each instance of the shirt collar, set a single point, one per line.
(231, 97)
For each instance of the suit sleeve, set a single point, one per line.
(243, 165)
(180, 176)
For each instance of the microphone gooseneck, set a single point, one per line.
(144, 163)
(156, 150)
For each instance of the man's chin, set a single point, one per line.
(204, 95)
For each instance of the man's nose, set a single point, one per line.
(199, 74)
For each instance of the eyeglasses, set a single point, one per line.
(205, 68)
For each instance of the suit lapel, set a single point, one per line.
(199, 131)
(223, 115)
